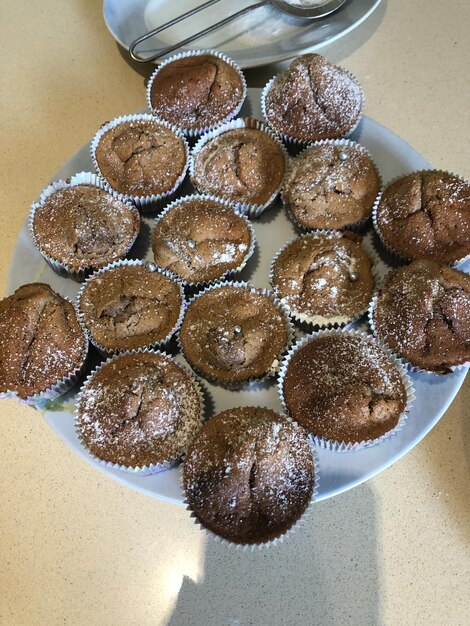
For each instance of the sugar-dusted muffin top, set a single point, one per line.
(138, 409)
(331, 186)
(426, 215)
(324, 277)
(423, 313)
(130, 306)
(313, 99)
(249, 475)
(344, 388)
(201, 240)
(196, 92)
(41, 341)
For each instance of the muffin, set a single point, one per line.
(312, 100)
(324, 278)
(331, 185)
(426, 214)
(343, 388)
(423, 314)
(130, 305)
(239, 162)
(80, 227)
(248, 476)
(42, 346)
(139, 411)
(201, 239)
(140, 157)
(196, 90)
(234, 333)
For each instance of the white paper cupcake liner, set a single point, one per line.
(276, 364)
(153, 468)
(82, 178)
(61, 386)
(228, 273)
(411, 368)
(344, 446)
(294, 142)
(250, 209)
(254, 547)
(196, 132)
(151, 202)
(305, 321)
(124, 263)
(356, 226)
(394, 256)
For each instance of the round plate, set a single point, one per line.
(262, 36)
(338, 472)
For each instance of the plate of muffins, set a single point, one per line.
(242, 300)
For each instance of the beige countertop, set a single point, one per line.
(78, 548)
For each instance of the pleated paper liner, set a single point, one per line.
(308, 322)
(412, 368)
(151, 202)
(159, 344)
(250, 209)
(254, 547)
(61, 386)
(356, 226)
(345, 446)
(153, 468)
(195, 132)
(227, 274)
(78, 273)
(238, 384)
(294, 143)
(393, 256)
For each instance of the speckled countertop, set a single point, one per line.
(78, 548)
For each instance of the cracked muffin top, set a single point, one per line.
(331, 186)
(130, 306)
(313, 100)
(426, 215)
(233, 334)
(141, 157)
(240, 165)
(249, 475)
(85, 227)
(344, 388)
(324, 278)
(41, 341)
(196, 92)
(201, 240)
(138, 409)
(423, 313)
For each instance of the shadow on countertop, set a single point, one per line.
(325, 574)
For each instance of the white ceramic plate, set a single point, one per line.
(262, 36)
(338, 472)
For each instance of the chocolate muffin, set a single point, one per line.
(423, 313)
(196, 91)
(426, 215)
(324, 278)
(313, 100)
(139, 410)
(331, 186)
(240, 164)
(41, 342)
(201, 239)
(82, 228)
(234, 333)
(343, 388)
(139, 156)
(249, 475)
(129, 306)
